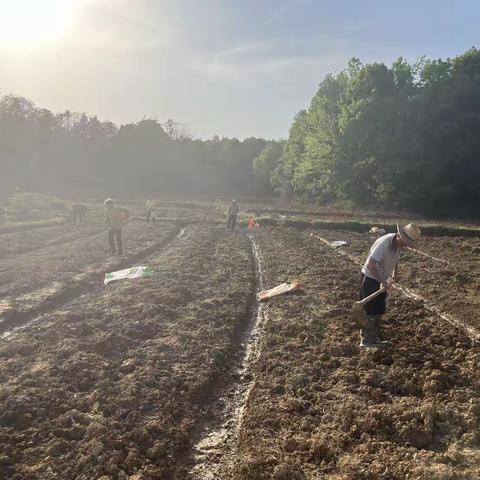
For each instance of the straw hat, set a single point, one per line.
(409, 233)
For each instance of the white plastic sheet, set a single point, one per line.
(338, 243)
(132, 272)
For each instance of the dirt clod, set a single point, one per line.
(288, 472)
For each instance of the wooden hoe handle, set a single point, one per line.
(372, 296)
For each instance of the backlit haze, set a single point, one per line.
(234, 68)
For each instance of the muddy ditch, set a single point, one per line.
(215, 440)
(26, 308)
(365, 226)
(325, 212)
(217, 217)
(115, 384)
(323, 408)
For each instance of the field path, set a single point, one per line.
(217, 438)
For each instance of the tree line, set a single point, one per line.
(77, 153)
(403, 137)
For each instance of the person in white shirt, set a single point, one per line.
(379, 271)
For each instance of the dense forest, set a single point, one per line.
(405, 137)
(76, 153)
(402, 137)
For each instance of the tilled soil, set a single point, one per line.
(192, 215)
(123, 381)
(114, 385)
(37, 238)
(322, 408)
(217, 439)
(449, 277)
(30, 280)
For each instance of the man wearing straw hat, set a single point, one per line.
(378, 272)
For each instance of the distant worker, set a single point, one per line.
(232, 215)
(380, 271)
(115, 218)
(150, 206)
(79, 212)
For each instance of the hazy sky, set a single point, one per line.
(232, 67)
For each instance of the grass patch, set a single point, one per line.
(32, 207)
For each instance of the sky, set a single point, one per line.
(235, 68)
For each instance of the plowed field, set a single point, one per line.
(182, 375)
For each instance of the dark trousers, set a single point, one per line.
(78, 214)
(232, 221)
(149, 215)
(377, 305)
(370, 333)
(115, 235)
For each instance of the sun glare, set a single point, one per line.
(32, 21)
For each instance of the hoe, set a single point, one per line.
(359, 314)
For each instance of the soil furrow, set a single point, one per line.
(215, 447)
(473, 333)
(25, 276)
(18, 243)
(322, 408)
(432, 257)
(445, 288)
(62, 240)
(113, 385)
(88, 283)
(31, 226)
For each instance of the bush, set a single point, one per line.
(34, 206)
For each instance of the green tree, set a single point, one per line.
(266, 163)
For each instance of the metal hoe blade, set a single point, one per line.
(359, 315)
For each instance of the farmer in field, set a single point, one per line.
(78, 212)
(232, 215)
(379, 271)
(115, 218)
(149, 207)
